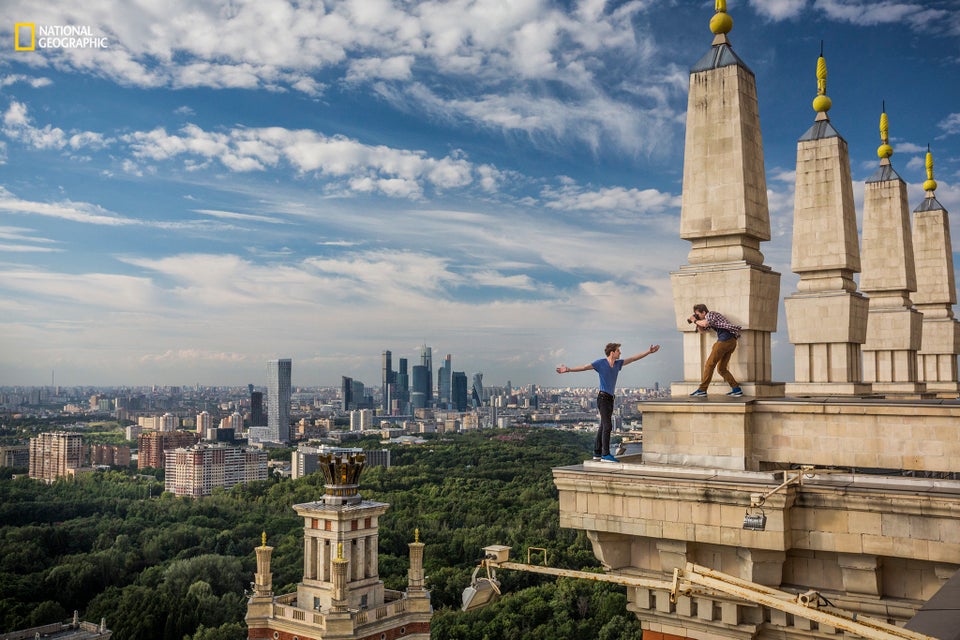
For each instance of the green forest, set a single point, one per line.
(113, 545)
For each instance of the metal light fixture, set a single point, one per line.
(482, 591)
(753, 521)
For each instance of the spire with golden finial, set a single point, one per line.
(263, 539)
(416, 532)
(930, 185)
(822, 104)
(721, 23)
(884, 151)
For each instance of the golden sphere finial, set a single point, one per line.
(822, 104)
(721, 22)
(884, 150)
(930, 184)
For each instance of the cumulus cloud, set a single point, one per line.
(18, 125)
(950, 125)
(779, 9)
(572, 197)
(870, 13)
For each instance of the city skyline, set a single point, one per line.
(228, 184)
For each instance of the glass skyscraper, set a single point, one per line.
(278, 399)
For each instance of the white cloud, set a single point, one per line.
(18, 125)
(779, 9)
(950, 125)
(571, 197)
(33, 81)
(870, 12)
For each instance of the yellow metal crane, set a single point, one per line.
(692, 578)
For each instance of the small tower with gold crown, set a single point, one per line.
(936, 292)
(827, 316)
(724, 215)
(888, 278)
(341, 595)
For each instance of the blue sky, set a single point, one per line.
(234, 181)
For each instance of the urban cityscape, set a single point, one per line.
(189, 431)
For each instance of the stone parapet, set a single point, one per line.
(756, 434)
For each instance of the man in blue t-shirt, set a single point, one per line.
(607, 368)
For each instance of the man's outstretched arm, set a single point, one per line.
(653, 349)
(565, 369)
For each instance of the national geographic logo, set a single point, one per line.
(28, 36)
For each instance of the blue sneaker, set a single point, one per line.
(608, 458)
(736, 392)
(699, 393)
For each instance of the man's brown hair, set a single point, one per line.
(610, 348)
(700, 308)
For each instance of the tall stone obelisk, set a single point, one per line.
(724, 215)
(936, 292)
(827, 316)
(888, 278)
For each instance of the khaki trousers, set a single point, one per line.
(719, 358)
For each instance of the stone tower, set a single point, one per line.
(826, 317)
(724, 215)
(854, 499)
(888, 278)
(341, 595)
(936, 292)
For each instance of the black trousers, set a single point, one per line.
(605, 407)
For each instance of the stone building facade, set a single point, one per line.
(843, 482)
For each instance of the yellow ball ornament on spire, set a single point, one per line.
(884, 150)
(822, 103)
(721, 22)
(929, 184)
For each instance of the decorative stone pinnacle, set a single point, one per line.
(721, 22)
(884, 151)
(930, 185)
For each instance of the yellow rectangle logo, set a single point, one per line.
(20, 31)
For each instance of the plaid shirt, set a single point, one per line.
(717, 321)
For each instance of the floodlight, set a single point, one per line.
(755, 521)
(482, 591)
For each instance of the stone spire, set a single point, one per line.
(724, 215)
(888, 278)
(826, 317)
(415, 574)
(936, 292)
(263, 581)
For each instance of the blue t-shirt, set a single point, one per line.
(608, 374)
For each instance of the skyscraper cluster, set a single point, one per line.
(410, 388)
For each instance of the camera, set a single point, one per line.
(691, 320)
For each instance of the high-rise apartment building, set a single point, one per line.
(361, 420)
(108, 454)
(152, 447)
(204, 423)
(196, 471)
(278, 399)
(53, 455)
